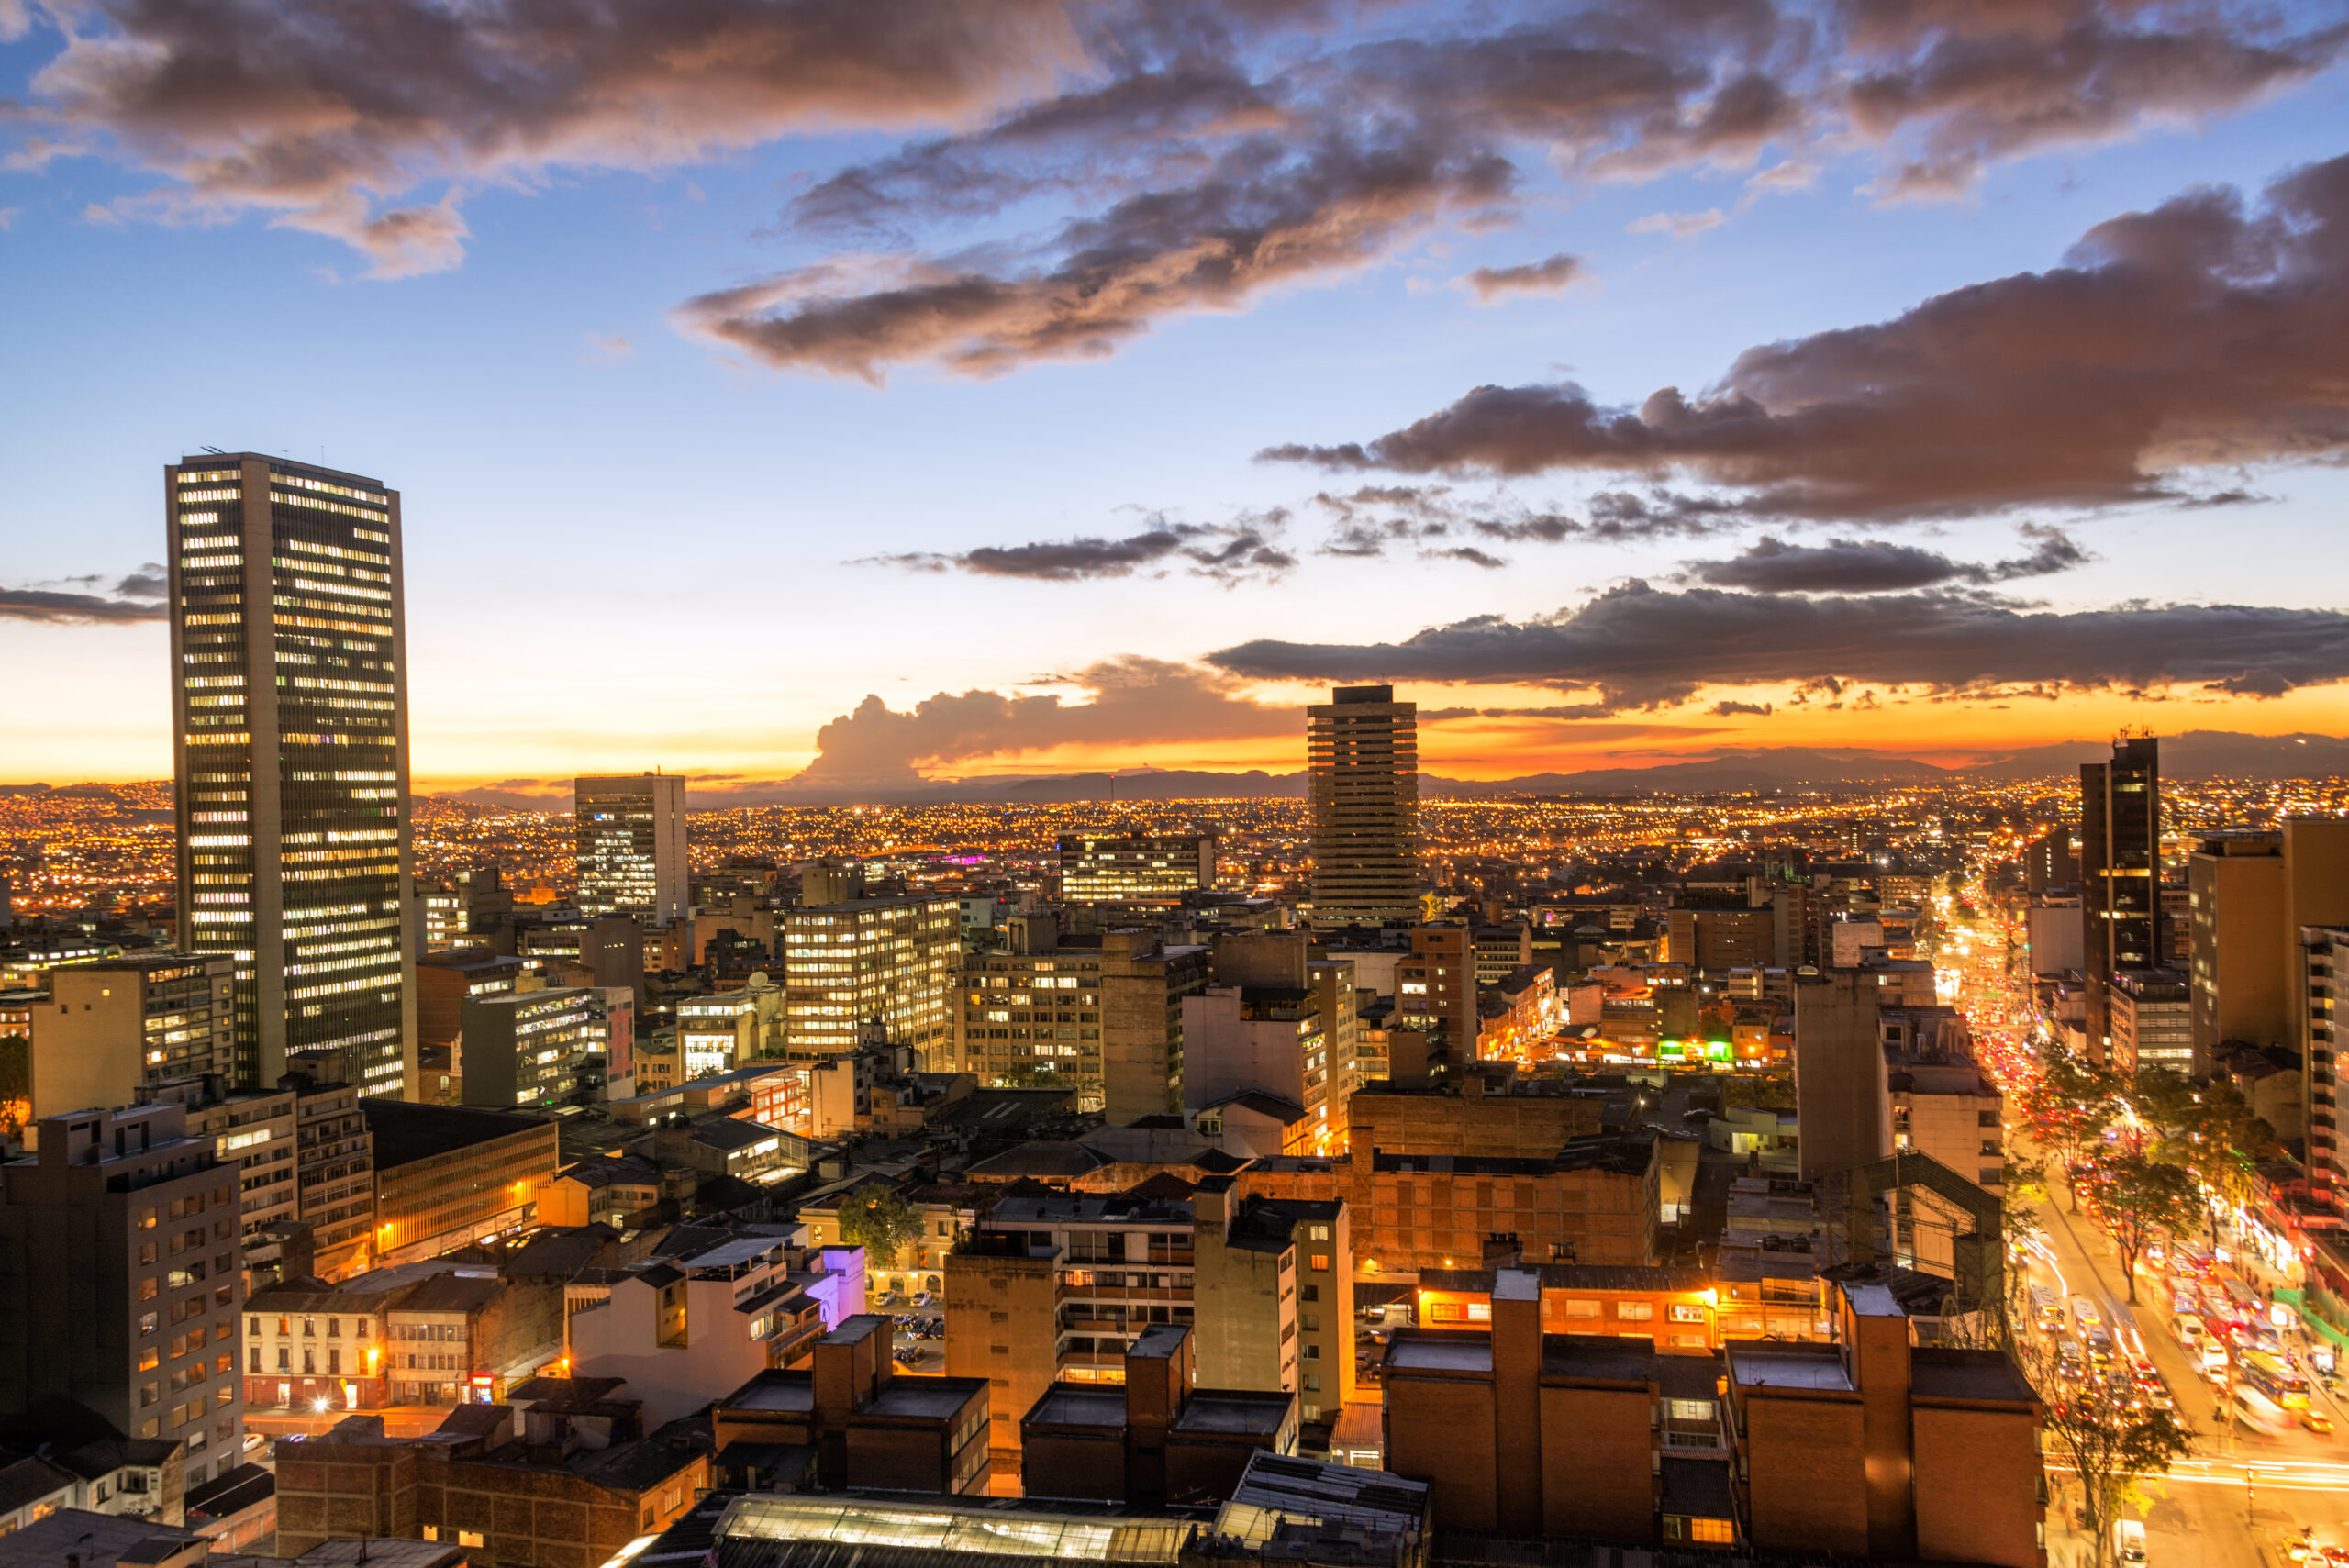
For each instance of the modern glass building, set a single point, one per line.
(289, 720)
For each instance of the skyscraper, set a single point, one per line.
(2120, 844)
(289, 720)
(1363, 750)
(633, 846)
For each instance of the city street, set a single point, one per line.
(2235, 1502)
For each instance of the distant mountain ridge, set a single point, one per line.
(2193, 754)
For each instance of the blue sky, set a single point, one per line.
(628, 544)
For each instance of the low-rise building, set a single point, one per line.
(863, 1425)
(1157, 1439)
(1273, 1297)
(684, 1328)
(1675, 1306)
(447, 1176)
(565, 1472)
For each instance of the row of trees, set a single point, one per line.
(2147, 1152)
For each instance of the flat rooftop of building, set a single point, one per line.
(1819, 1368)
(99, 1540)
(1234, 1410)
(1432, 1350)
(407, 1132)
(448, 1292)
(924, 1397)
(1937, 1371)
(246, 1486)
(774, 1391)
(1597, 1358)
(1093, 1404)
(1282, 1483)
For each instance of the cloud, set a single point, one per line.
(1680, 225)
(1549, 275)
(74, 609)
(1875, 566)
(1134, 701)
(612, 348)
(8, 216)
(326, 115)
(150, 582)
(1268, 217)
(1638, 645)
(1727, 710)
(2203, 334)
(1226, 551)
(1951, 88)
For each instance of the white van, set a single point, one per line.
(2256, 1410)
(2129, 1543)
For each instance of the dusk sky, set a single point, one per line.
(898, 389)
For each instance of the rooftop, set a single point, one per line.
(1818, 1368)
(407, 1132)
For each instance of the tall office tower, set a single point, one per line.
(2120, 845)
(1362, 748)
(121, 1284)
(1136, 868)
(290, 735)
(892, 960)
(633, 846)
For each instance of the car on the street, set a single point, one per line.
(2317, 1422)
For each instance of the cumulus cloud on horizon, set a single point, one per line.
(1639, 646)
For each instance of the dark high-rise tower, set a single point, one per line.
(2120, 846)
(289, 720)
(1362, 752)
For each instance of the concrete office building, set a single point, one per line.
(2150, 1020)
(120, 1257)
(2323, 954)
(1363, 758)
(448, 1175)
(1267, 1040)
(893, 961)
(1842, 1097)
(631, 846)
(2248, 896)
(1100, 1015)
(110, 1027)
(1136, 868)
(289, 726)
(2120, 842)
(534, 1048)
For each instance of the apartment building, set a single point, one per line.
(110, 1027)
(2149, 1016)
(1435, 987)
(1053, 1286)
(1265, 1039)
(1101, 1014)
(1864, 1447)
(121, 1247)
(684, 1328)
(312, 1346)
(1273, 1295)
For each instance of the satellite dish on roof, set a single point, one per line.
(759, 978)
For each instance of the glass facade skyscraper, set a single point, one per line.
(631, 846)
(289, 720)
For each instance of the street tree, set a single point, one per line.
(880, 1220)
(2139, 1198)
(2110, 1445)
(2069, 1106)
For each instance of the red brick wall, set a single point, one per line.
(1808, 1490)
(1977, 1487)
(1597, 1465)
